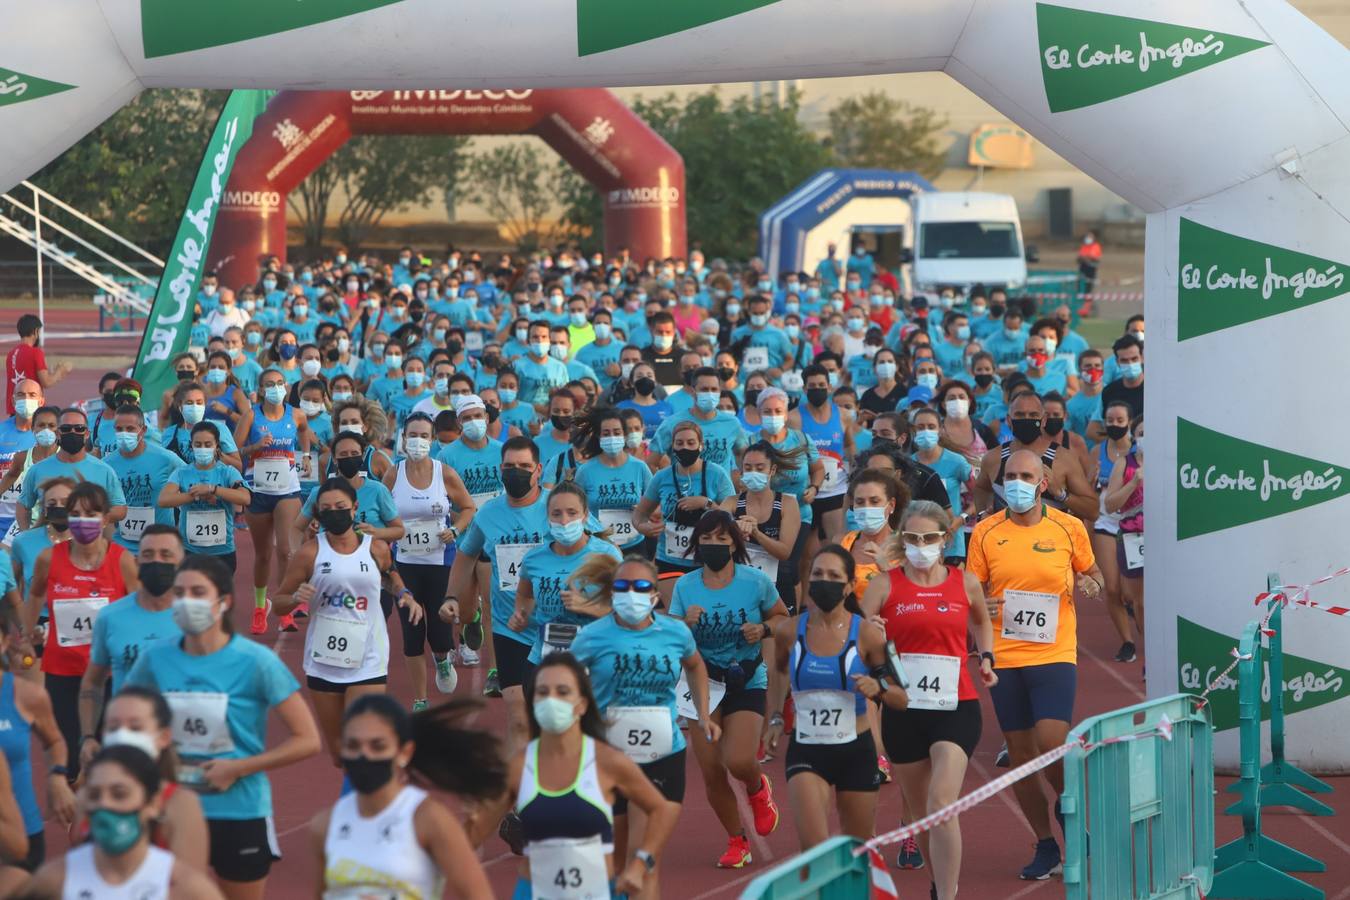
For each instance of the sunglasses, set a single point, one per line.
(73, 429)
(641, 585)
(927, 537)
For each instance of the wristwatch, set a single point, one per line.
(59, 770)
(646, 859)
(989, 656)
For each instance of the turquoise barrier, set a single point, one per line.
(828, 871)
(1147, 803)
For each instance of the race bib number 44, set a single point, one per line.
(933, 680)
(1030, 616)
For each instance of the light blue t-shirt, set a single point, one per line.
(795, 479)
(954, 470)
(122, 630)
(195, 527)
(521, 416)
(775, 340)
(652, 416)
(951, 358)
(177, 439)
(26, 548)
(1007, 351)
(547, 572)
(1081, 409)
(666, 488)
(91, 468)
(142, 478)
(479, 469)
(599, 357)
(374, 504)
(636, 667)
(549, 446)
(614, 487)
(498, 524)
(723, 437)
(251, 679)
(538, 380)
(749, 597)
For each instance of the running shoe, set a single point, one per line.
(884, 766)
(1001, 760)
(765, 810)
(491, 685)
(259, 625)
(287, 623)
(909, 856)
(301, 611)
(1045, 863)
(512, 830)
(1126, 653)
(419, 705)
(467, 657)
(738, 853)
(446, 676)
(473, 632)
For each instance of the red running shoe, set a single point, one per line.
(737, 855)
(765, 810)
(259, 625)
(287, 623)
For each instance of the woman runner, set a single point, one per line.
(770, 520)
(207, 493)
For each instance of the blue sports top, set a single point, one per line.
(808, 672)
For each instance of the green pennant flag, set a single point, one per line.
(1225, 280)
(1090, 57)
(16, 87)
(169, 324)
(1202, 654)
(1223, 481)
(177, 26)
(607, 24)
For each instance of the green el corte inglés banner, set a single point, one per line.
(170, 321)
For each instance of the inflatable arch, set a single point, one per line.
(639, 177)
(1225, 122)
(795, 232)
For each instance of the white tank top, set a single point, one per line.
(420, 507)
(379, 856)
(151, 881)
(346, 639)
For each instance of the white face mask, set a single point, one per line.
(417, 447)
(923, 557)
(125, 737)
(957, 408)
(194, 615)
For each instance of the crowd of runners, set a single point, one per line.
(672, 508)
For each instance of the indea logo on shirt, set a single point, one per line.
(345, 601)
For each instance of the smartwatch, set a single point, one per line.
(646, 859)
(989, 656)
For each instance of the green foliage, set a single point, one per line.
(134, 172)
(518, 186)
(877, 131)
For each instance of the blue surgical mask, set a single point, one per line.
(507, 396)
(602, 331)
(963, 332)
(475, 429)
(633, 606)
(707, 400)
(554, 715)
(1131, 370)
(578, 319)
(755, 481)
(288, 351)
(44, 437)
(269, 283)
(341, 396)
(813, 293)
(539, 348)
(558, 351)
(870, 519)
(733, 309)
(612, 444)
(393, 361)
(926, 379)
(773, 424)
(128, 440)
(663, 342)
(567, 533)
(415, 379)
(273, 393)
(793, 331)
(926, 439)
(438, 334)
(522, 335)
(203, 456)
(441, 385)
(215, 376)
(1012, 333)
(760, 320)
(193, 413)
(765, 284)
(886, 370)
(792, 307)
(1020, 495)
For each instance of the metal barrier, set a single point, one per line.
(1147, 803)
(1255, 865)
(828, 871)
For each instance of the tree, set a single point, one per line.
(375, 175)
(877, 131)
(516, 185)
(134, 172)
(739, 158)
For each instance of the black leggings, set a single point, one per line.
(65, 693)
(428, 584)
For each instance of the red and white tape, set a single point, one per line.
(1098, 297)
(1003, 782)
(1298, 594)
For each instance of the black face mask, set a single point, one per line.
(71, 443)
(185, 375)
(1116, 432)
(1054, 426)
(984, 380)
(492, 362)
(826, 595)
(1028, 431)
(157, 577)
(562, 423)
(726, 374)
(687, 456)
(58, 517)
(335, 521)
(516, 482)
(687, 376)
(645, 386)
(492, 412)
(714, 556)
(333, 356)
(817, 396)
(751, 397)
(996, 310)
(416, 315)
(348, 466)
(454, 347)
(110, 400)
(368, 775)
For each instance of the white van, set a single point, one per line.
(967, 238)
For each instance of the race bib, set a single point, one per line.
(1134, 549)
(200, 725)
(509, 557)
(272, 475)
(755, 358)
(133, 523)
(834, 475)
(207, 527)
(568, 869)
(643, 733)
(337, 642)
(473, 341)
(761, 559)
(620, 525)
(1030, 616)
(309, 465)
(825, 717)
(421, 537)
(678, 539)
(75, 620)
(933, 680)
(684, 697)
(11, 533)
(559, 637)
(791, 382)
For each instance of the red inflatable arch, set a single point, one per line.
(639, 175)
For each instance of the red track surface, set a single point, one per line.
(997, 840)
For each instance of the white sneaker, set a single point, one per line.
(468, 657)
(446, 676)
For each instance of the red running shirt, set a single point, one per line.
(934, 620)
(70, 612)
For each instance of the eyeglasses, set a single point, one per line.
(920, 539)
(73, 429)
(641, 585)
